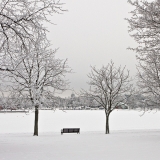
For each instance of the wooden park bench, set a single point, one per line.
(70, 130)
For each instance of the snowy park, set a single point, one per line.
(132, 136)
(88, 67)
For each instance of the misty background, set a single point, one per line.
(92, 33)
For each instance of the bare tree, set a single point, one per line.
(149, 79)
(22, 20)
(144, 27)
(37, 75)
(108, 87)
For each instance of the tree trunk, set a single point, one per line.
(107, 123)
(36, 121)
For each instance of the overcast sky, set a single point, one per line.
(92, 33)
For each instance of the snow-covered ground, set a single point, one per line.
(132, 137)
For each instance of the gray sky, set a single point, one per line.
(92, 33)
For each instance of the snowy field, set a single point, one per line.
(132, 137)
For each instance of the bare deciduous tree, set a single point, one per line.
(22, 20)
(108, 87)
(37, 75)
(144, 27)
(149, 79)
